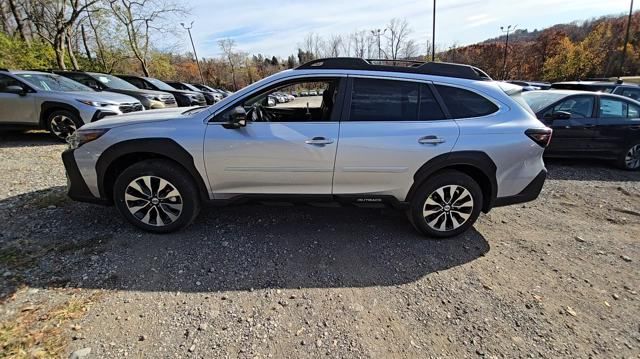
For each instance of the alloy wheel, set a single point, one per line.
(153, 201)
(632, 158)
(447, 208)
(62, 126)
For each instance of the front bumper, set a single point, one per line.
(76, 186)
(528, 194)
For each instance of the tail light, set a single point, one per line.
(541, 136)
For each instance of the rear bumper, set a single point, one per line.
(76, 186)
(528, 194)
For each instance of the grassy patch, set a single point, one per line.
(34, 333)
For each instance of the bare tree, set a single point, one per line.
(397, 37)
(228, 48)
(4, 18)
(313, 44)
(18, 19)
(359, 40)
(334, 46)
(140, 18)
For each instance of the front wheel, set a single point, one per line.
(630, 160)
(446, 205)
(62, 124)
(157, 195)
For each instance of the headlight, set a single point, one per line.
(95, 103)
(151, 97)
(80, 137)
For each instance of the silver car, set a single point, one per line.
(441, 141)
(32, 99)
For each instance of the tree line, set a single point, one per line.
(142, 36)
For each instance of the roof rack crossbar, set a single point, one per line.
(419, 67)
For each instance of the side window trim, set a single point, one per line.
(22, 83)
(346, 111)
(336, 111)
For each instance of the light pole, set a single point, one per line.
(626, 40)
(506, 49)
(378, 33)
(194, 49)
(433, 34)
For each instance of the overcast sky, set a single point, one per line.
(277, 27)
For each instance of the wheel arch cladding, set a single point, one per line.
(48, 107)
(123, 154)
(478, 165)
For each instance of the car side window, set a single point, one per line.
(135, 82)
(631, 93)
(464, 104)
(85, 80)
(429, 108)
(384, 100)
(6, 81)
(613, 108)
(577, 106)
(634, 111)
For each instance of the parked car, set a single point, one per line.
(441, 141)
(217, 95)
(304, 93)
(313, 93)
(184, 98)
(590, 125)
(630, 90)
(208, 96)
(150, 99)
(531, 85)
(32, 99)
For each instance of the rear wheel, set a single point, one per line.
(446, 205)
(630, 160)
(62, 124)
(157, 196)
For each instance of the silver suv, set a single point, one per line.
(441, 141)
(32, 99)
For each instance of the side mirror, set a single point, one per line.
(560, 115)
(18, 90)
(236, 118)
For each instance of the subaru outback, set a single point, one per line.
(32, 99)
(441, 141)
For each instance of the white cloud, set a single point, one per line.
(276, 27)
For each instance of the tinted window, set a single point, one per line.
(429, 108)
(577, 106)
(614, 108)
(6, 81)
(85, 80)
(634, 111)
(384, 100)
(631, 93)
(462, 103)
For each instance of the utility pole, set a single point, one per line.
(506, 49)
(194, 49)
(626, 40)
(378, 33)
(433, 34)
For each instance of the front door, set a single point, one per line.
(286, 147)
(16, 109)
(572, 137)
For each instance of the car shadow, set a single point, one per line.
(588, 170)
(234, 248)
(18, 138)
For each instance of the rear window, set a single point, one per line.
(464, 104)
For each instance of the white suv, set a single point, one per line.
(441, 141)
(39, 99)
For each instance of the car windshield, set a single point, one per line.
(160, 85)
(538, 100)
(114, 82)
(51, 82)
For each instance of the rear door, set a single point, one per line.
(390, 128)
(618, 126)
(572, 137)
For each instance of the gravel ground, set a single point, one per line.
(558, 277)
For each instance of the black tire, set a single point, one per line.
(177, 178)
(450, 179)
(634, 163)
(66, 123)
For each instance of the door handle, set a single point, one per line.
(431, 140)
(319, 141)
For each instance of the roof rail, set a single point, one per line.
(408, 66)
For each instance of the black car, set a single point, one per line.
(184, 98)
(590, 125)
(150, 99)
(209, 97)
(630, 90)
